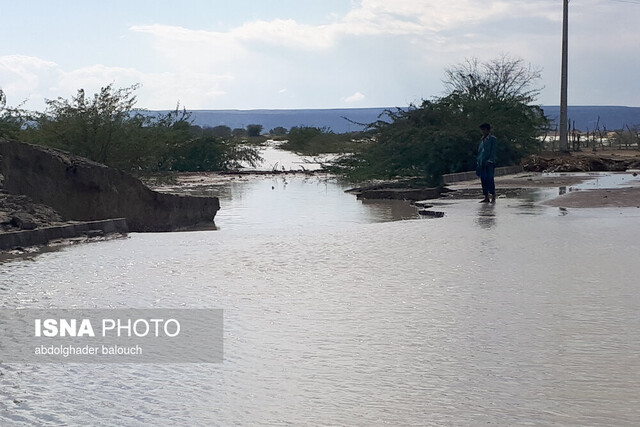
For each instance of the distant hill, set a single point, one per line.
(345, 119)
(338, 120)
(586, 117)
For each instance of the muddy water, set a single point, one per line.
(337, 315)
(296, 204)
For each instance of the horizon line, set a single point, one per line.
(353, 108)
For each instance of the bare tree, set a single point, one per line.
(504, 77)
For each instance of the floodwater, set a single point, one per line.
(342, 313)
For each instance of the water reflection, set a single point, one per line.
(392, 210)
(486, 216)
(528, 201)
(374, 323)
(299, 202)
(282, 160)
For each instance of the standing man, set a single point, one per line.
(487, 163)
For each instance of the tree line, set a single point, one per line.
(107, 128)
(441, 135)
(437, 136)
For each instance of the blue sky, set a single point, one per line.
(249, 54)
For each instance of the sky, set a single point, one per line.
(288, 54)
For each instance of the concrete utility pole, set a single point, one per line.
(564, 128)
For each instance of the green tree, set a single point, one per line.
(302, 138)
(278, 131)
(239, 133)
(441, 136)
(254, 130)
(504, 78)
(108, 129)
(212, 154)
(221, 131)
(310, 140)
(12, 119)
(93, 127)
(160, 137)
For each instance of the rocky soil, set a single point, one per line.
(618, 161)
(22, 213)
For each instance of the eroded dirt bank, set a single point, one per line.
(599, 161)
(78, 189)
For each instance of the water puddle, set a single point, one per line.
(281, 160)
(339, 313)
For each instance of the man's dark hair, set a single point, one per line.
(486, 126)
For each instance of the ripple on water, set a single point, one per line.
(478, 317)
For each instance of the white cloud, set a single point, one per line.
(22, 63)
(25, 77)
(286, 33)
(415, 17)
(35, 80)
(94, 77)
(371, 17)
(178, 43)
(193, 91)
(395, 51)
(355, 98)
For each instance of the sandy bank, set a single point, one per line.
(570, 172)
(576, 192)
(603, 198)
